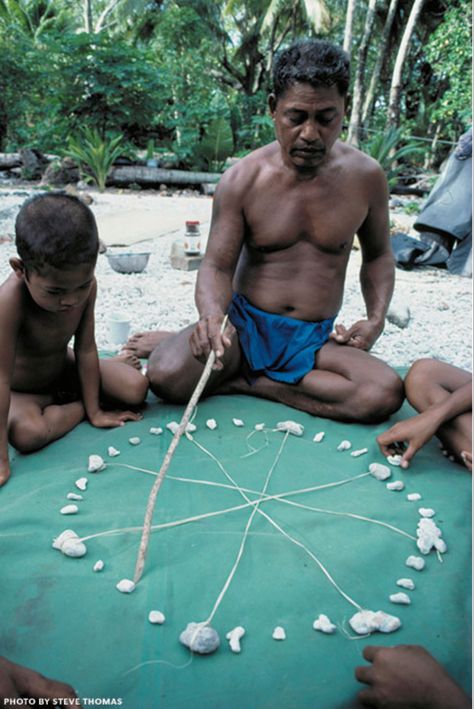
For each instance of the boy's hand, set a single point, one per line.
(112, 419)
(415, 431)
(4, 472)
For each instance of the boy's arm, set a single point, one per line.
(87, 360)
(10, 318)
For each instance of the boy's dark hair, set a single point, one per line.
(312, 61)
(56, 229)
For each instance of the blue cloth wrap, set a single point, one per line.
(281, 348)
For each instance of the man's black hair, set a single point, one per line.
(312, 61)
(56, 229)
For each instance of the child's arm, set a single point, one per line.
(418, 430)
(87, 360)
(10, 318)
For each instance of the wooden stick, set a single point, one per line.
(150, 508)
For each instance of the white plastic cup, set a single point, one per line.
(119, 328)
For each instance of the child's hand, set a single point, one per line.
(4, 472)
(112, 419)
(415, 431)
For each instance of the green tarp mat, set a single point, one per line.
(70, 623)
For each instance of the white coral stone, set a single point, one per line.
(95, 464)
(98, 566)
(406, 583)
(279, 633)
(426, 512)
(413, 496)
(380, 471)
(296, 429)
(134, 441)
(81, 484)
(400, 597)
(156, 430)
(394, 460)
(156, 617)
(395, 485)
(74, 496)
(69, 510)
(318, 437)
(344, 446)
(125, 586)
(234, 637)
(415, 562)
(323, 624)
(113, 452)
(361, 451)
(238, 422)
(211, 424)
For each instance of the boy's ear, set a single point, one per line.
(18, 266)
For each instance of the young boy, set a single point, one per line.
(46, 389)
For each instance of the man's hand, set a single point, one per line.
(112, 419)
(19, 682)
(407, 676)
(4, 472)
(361, 335)
(415, 431)
(207, 336)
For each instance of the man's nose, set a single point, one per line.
(310, 131)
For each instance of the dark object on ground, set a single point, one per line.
(64, 173)
(407, 250)
(445, 222)
(33, 164)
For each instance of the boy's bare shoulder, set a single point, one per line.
(11, 292)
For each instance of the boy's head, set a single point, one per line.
(56, 230)
(312, 61)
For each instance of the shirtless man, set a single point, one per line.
(283, 223)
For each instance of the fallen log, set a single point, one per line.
(9, 160)
(155, 176)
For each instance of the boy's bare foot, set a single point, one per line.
(142, 344)
(128, 357)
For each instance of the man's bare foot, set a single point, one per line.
(127, 357)
(142, 344)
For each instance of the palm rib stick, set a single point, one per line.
(150, 508)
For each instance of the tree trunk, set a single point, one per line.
(351, 9)
(375, 78)
(354, 124)
(393, 113)
(150, 176)
(88, 16)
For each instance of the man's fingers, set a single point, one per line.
(31, 684)
(408, 455)
(367, 697)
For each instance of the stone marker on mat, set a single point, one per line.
(324, 625)
(234, 637)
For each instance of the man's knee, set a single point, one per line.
(28, 435)
(380, 398)
(166, 379)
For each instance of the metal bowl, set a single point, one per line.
(129, 262)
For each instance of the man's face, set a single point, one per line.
(60, 290)
(308, 121)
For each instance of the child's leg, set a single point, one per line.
(429, 382)
(34, 421)
(122, 383)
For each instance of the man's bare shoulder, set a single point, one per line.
(358, 161)
(248, 169)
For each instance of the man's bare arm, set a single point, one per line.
(214, 282)
(377, 274)
(10, 318)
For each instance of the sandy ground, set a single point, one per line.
(161, 297)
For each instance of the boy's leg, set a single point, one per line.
(34, 421)
(121, 383)
(429, 382)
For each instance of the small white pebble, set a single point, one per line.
(156, 431)
(74, 496)
(69, 510)
(259, 426)
(394, 460)
(134, 440)
(344, 446)
(98, 566)
(401, 597)
(81, 484)
(125, 586)
(69, 543)
(211, 424)
(174, 425)
(113, 452)
(361, 451)
(406, 583)
(156, 617)
(323, 624)
(234, 637)
(279, 633)
(366, 621)
(415, 562)
(296, 429)
(95, 464)
(380, 471)
(396, 485)
(238, 422)
(318, 437)
(426, 512)
(413, 496)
